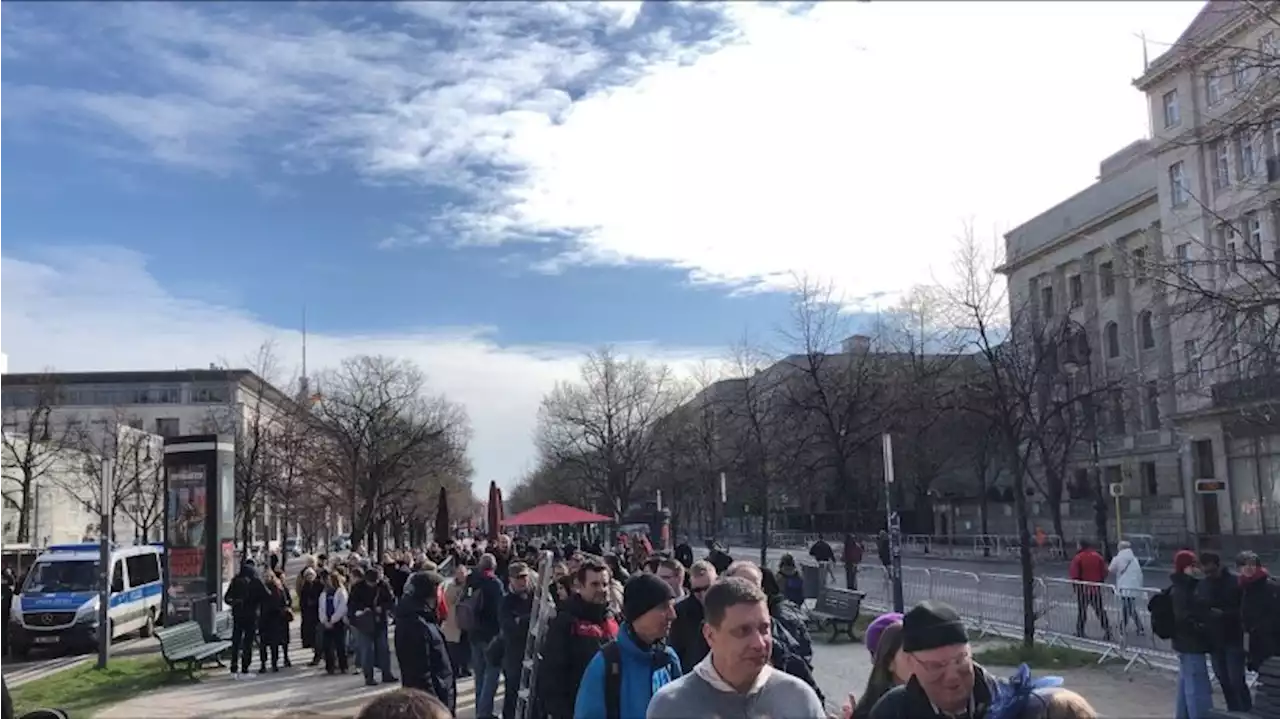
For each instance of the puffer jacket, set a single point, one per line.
(1188, 616)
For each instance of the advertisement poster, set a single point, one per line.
(186, 512)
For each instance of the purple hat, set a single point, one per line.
(877, 627)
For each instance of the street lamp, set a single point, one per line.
(1078, 357)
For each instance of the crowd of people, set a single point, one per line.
(636, 633)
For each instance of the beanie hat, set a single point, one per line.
(877, 627)
(930, 625)
(643, 593)
(1183, 559)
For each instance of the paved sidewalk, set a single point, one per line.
(269, 696)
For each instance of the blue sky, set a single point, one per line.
(489, 188)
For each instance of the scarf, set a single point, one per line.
(1259, 575)
(707, 671)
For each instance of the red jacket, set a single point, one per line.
(1088, 566)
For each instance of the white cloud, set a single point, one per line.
(851, 141)
(100, 309)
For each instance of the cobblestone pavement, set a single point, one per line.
(1137, 694)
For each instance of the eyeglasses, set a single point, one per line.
(935, 668)
(700, 590)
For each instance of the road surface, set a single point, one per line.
(989, 595)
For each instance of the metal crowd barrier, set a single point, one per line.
(1081, 615)
(543, 610)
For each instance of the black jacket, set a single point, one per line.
(1260, 617)
(379, 598)
(719, 559)
(487, 625)
(246, 594)
(517, 608)
(822, 552)
(309, 600)
(272, 627)
(1188, 616)
(422, 652)
(910, 702)
(686, 633)
(1219, 595)
(573, 638)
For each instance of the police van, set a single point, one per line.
(58, 603)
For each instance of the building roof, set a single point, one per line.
(1215, 17)
(245, 377)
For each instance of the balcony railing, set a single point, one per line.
(1246, 389)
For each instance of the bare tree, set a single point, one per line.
(138, 467)
(32, 440)
(382, 432)
(254, 422)
(601, 427)
(1020, 390)
(839, 393)
(769, 437)
(547, 482)
(133, 468)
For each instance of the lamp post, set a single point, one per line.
(1079, 357)
(894, 524)
(104, 566)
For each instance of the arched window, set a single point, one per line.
(1113, 340)
(1145, 330)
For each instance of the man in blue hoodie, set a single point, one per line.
(624, 675)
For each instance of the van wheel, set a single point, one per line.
(150, 627)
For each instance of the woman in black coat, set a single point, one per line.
(420, 644)
(309, 592)
(273, 623)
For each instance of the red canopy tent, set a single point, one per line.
(553, 513)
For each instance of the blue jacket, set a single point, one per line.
(640, 681)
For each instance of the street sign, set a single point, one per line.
(1210, 486)
(1117, 489)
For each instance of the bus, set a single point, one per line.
(57, 605)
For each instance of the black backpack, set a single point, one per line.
(613, 675)
(1161, 608)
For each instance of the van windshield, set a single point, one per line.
(80, 575)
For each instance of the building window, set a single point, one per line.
(1152, 391)
(1220, 150)
(1117, 411)
(209, 395)
(1253, 236)
(1232, 257)
(1202, 455)
(1171, 115)
(1248, 158)
(1183, 254)
(1146, 330)
(1239, 72)
(1046, 301)
(1107, 278)
(1140, 266)
(1177, 184)
(1191, 356)
(168, 426)
(1150, 485)
(1267, 48)
(1075, 287)
(1113, 340)
(1213, 87)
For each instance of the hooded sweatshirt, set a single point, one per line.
(703, 692)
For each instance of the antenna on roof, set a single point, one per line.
(1146, 60)
(304, 390)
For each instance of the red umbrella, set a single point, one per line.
(495, 511)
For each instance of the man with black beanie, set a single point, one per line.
(946, 682)
(624, 675)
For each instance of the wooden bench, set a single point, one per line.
(1266, 695)
(186, 644)
(838, 609)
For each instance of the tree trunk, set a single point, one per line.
(1100, 518)
(1024, 556)
(764, 525)
(24, 515)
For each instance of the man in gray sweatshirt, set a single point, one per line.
(736, 681)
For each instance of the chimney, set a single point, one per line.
(857, 344)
